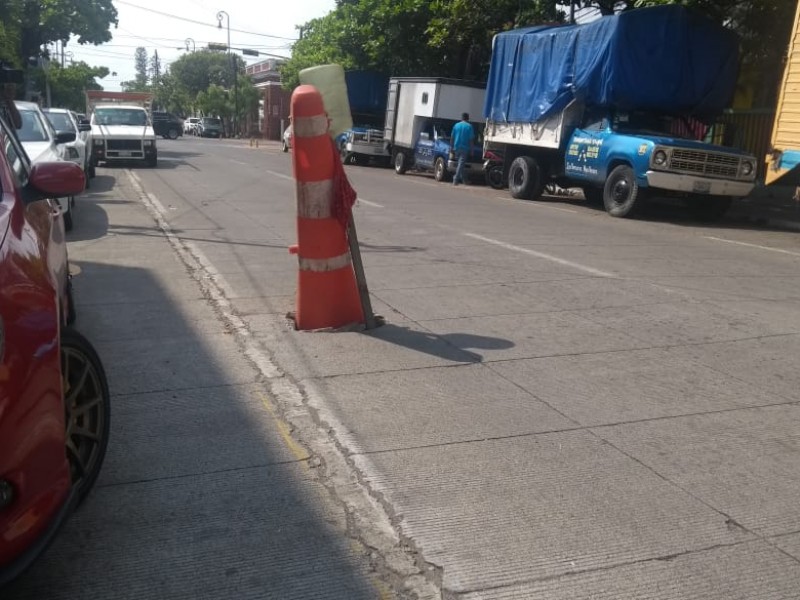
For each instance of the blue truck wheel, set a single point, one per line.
(525, 180)
(622, 195)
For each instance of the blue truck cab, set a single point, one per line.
(619, 156)
(433, 149)
(618, 107)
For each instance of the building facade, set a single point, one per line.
(274, 104)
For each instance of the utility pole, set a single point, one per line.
(572, 12)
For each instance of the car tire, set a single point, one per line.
(284, 146)
(87, 406)
(440, 170)
(400, 163)
(152, 162)
(494, 177)
(172, 133)
(525, 180)
(92, 171)
(622, 195)
(86, 178)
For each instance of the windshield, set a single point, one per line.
(193, 120)
(33, 128)
(60, 121)
(211, 121)
(642, 122)
(120, 116)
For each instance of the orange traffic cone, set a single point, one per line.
(327, 293)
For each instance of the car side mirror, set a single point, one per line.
(56, 179)
(84, 126)
(64, 137)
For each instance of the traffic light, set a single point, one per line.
(249, 52)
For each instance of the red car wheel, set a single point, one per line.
(87, 410)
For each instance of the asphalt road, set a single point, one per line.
(560, 405)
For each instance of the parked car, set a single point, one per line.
(433, 152)
(85, 133)
(190, 125)
(167, 125)
(76, 151)
(43, 144)
(210, 127)
(287, 139)
(54, 400)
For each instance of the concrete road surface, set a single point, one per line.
(561, 405)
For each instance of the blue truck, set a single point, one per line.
(421, 113)
(618, 107)
(366, 93)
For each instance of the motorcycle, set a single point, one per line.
(493, 169)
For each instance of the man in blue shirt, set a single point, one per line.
(462, 139)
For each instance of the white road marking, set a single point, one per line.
(281, 175)
(368, 203)
(550, 257)
(238, 162)
(769, 248)
(135, 177)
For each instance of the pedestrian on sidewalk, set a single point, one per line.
(462, 140)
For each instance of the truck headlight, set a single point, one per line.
(149, 142)
(72, 153)
(659, 158)
(747, 168)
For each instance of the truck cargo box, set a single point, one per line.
(663, 58)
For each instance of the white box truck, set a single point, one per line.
(420, 113)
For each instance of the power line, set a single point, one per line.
(163, 14)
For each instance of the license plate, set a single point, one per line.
(124, 153)
(701, 187)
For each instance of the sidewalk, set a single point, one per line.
(204, 492)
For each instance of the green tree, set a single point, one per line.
(44, 21)
(248, 101)
(10, 34)
(67, 84)
(214, 101)
(196, 71)
(170, 96)
(140, 66)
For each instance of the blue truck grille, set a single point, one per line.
(124, 144)
(710, 164)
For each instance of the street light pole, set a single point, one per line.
(186, 41)
(233, 69)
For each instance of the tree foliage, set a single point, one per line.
(36, 23)
(67, 84)
(140, 79)
(196, 71)
(214, 101)
(452, 38)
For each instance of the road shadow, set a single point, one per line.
(456, 347)
(743, 216)
(401, 249)
(199, 495)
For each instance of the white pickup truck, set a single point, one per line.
(123, 132)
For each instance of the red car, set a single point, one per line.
(54, 401)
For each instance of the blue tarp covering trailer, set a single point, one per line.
(664, 58)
